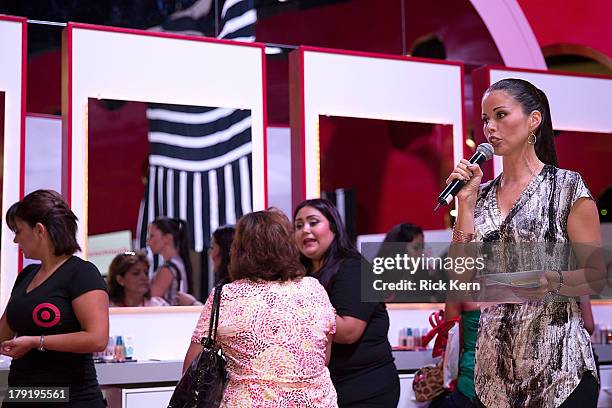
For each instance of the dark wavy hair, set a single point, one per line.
(180, 237)
(119, 267)
(404, 232)
(341, 247)
(224, 236)
(264, 248)
(531, 99)
(50, 209)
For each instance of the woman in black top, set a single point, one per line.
(361, 364)
(58, 311)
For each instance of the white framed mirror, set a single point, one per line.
(13, 49)
(104, 63)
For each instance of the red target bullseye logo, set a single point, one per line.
(46, 315)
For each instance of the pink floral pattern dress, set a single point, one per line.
(274, 336)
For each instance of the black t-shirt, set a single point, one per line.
(47, 310)
(372, 350)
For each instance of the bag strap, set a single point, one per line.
(214, 318)
(173, 266)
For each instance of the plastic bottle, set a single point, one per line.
(109, 353)
(424, 332)
(129, 347)
(402, 338)
(416, 334)
(409, 338)
(119, 350)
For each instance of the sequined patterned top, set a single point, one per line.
(274, 338)
(531, 354)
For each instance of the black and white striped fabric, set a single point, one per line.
(200, 160)
(236, 22)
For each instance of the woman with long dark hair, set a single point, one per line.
(169, 238)
(361, 364)
(535, 351)
(409, 233)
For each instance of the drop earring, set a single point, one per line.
(531, 139)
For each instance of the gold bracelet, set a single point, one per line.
(460, 236)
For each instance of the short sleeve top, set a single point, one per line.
(534, 353)
(372, 350)
(274, 335)
(47, 309)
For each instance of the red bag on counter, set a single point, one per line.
(429, 380)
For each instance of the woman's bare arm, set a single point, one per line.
(161, 282)
(349, 329)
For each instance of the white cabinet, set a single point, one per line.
(154, 397)
(407, 399)
(605, 393)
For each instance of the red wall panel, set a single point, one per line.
(118, 151)
(396, 169)
(587, 23)
(589, 154)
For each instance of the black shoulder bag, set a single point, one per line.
(203, 383)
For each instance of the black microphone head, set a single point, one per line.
(486, 149)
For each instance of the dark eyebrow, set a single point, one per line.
(499, 107)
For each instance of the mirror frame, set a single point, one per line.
(579, 102)
(13, 48)
(124, 64)
(369, 86)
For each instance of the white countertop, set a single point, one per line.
(155, 371)
(151, 371)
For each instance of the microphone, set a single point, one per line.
(484, 152)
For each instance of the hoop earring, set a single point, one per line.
(531, 139)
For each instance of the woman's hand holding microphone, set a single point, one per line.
(471, 174)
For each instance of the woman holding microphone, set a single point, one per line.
(536, 352)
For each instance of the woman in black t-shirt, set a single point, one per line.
(361, 364)
(58, 311)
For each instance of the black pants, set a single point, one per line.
(388, 399)
(454, 399)
(379, 388)
(585, 395)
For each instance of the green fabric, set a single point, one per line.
(469, 333)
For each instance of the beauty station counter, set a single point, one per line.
(149, 383)
(161, 337)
